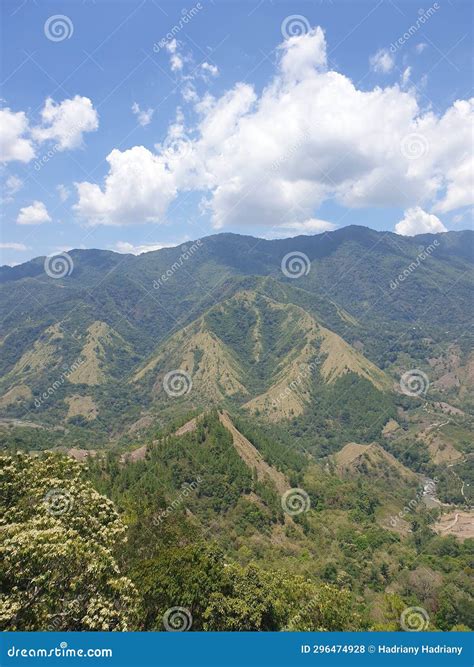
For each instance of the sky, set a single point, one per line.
(131, 125)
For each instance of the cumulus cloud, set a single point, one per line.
(65, 123)
(143, 117)
(138, 189)
(14, 145)
(382, 61)
(271, 159)
(459, 188)
(418, 221)
(34, 214)
(302, 54)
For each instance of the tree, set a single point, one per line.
(328, 609)
(246, 602)
(184, 576)
(252, 599)
(56, 539)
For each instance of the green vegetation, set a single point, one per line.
(76, 560)
(307, 372)
(58, 536)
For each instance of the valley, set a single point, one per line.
(244, 442)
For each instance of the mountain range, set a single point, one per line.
(88, 351)
(302, 405)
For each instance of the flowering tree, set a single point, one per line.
(57, 536)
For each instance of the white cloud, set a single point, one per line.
(63, 192)
(13, 184)
(34, 214)
(382, 61)
(66, 122)
(271, 159)
(13, 246)
(14, 145)
(144, 117)
(303, 54)
(418, 221)
(212, 69)
(406, 76)
(189, 93)
(459, 190)
(176, 60)
(138, 189)
(311, 226)
(419, 48)
(125, 247)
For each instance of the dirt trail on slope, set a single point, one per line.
(460, 524)
(252, 457)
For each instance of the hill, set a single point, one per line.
(371, 461)
(266, 354)
(313, 362)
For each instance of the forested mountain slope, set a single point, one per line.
(271, 434)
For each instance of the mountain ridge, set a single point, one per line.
(347, 288)
(352, 232)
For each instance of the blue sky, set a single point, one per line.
(230, 116)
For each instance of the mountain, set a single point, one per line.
(267, 440)
(324, 352)
(266, 354)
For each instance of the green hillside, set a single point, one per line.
(266, 452)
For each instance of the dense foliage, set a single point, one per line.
(187, 521)
(57, 541)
